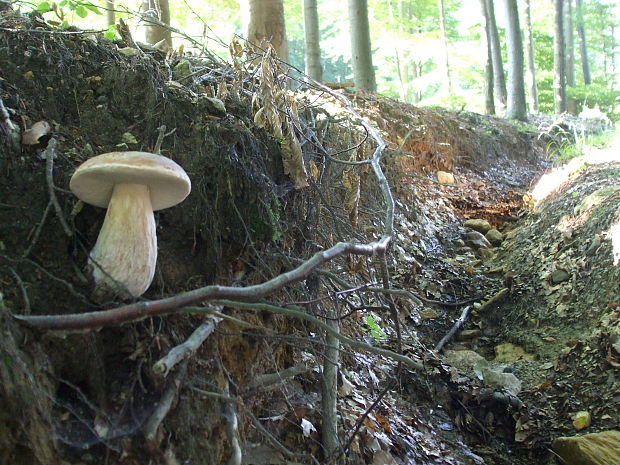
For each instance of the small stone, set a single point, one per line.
(129, 138)
(591, 449)
(478, 224)
(559, 276)
(129, 51)
(477, 240)
(486, 254)
(215, 106)
(445, 178)
(182, 69)
(495, 237)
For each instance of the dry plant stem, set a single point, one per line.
(163, 407)
(23, 290)
(272, 380)
(140, 310)
(185, 350)
(329, 400)
(274, 442)
(12, 129)
(49, 153)
(229, 412)
(458, 324)
(37, 233)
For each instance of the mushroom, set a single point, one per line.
(131, 185)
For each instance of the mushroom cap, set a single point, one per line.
(94, 180)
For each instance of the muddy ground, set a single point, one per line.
(90, 397)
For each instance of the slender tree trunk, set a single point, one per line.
(515, 108)
(312, 36)
(498, 67)
(489, 104)
(110, 14)
(159, 10)
(559, 62)
(267, 24)
(444, 42)
(363, 70)
(530, 73)
(585, 64)
(569, 54)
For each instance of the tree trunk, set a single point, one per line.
(559, 62)
(444, 41)
(569, 54)
(515, 108)
(267, 24)
(585, 64)
(489, 104)
(530, 74)
(498, 67)
(363, 70)
(158, 10)
(312, 36)
(110, 14)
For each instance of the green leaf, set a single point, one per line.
(44, 7)
(375, 331)
(81, 11)
(94, 8)
(111, 33)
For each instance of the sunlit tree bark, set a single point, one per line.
(110, 14)
(489, 104)
(515, 108)
(444, 42)
(496, 53)
(559, 62)
(158, 10)
(312, 40)
(267, 24)
(585, 64)
(530, 67)
(361, 52)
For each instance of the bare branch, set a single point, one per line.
(185, 350)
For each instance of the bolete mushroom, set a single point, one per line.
(131, 185)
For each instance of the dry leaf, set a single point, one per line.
(39, 129)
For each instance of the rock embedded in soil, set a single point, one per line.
(478, 224)
(445, 178)
(477, 240)
(592, 449)
(494, 237)
(559, 276)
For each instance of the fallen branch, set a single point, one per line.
(140, 310)
(185, 350)
(272, 380)
(163, 407)
(458, 324)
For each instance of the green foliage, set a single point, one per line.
(375, 331)
(597, 94)
(64, 8)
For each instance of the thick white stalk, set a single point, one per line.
(125, 254)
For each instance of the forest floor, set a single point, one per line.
(539, 299)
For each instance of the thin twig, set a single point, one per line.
(49, 153)
(37, 232)
(184, 350)
(271, 380)
(24, 292)
(163, 407)
(458, 324)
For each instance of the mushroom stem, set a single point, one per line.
(125, 254)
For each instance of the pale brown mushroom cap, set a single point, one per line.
(94, 180)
